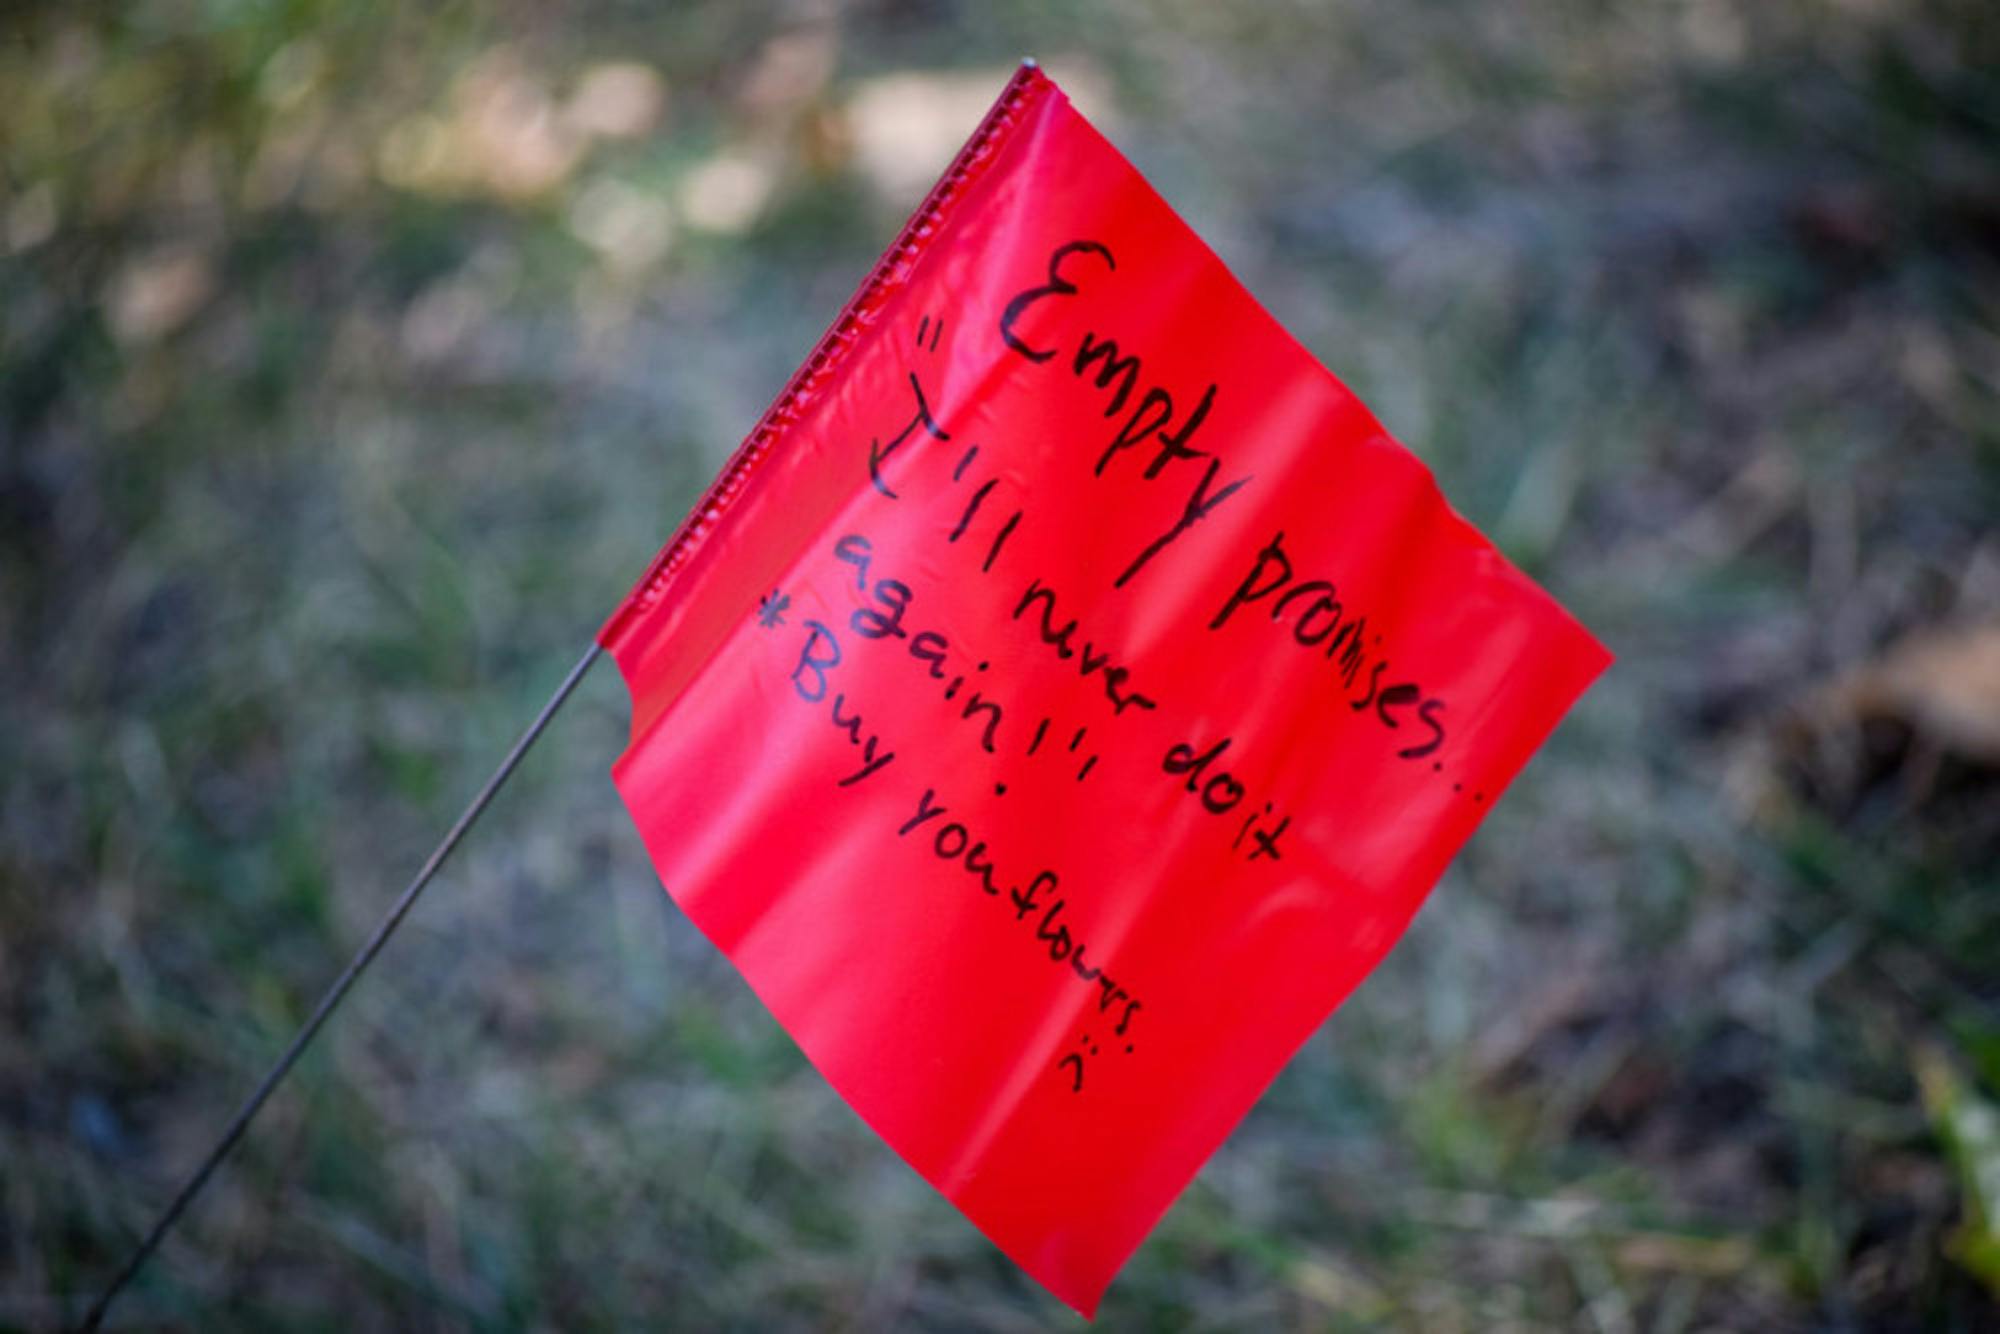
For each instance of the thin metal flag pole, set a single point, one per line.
(339, 989)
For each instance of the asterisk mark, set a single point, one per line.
(771, 609)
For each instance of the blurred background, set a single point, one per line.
(355, 357)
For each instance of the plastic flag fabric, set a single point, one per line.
(1067, 695)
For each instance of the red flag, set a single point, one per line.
(1067, 695)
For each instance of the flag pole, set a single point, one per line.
(338, 991)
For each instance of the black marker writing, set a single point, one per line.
(1156, 425)
(1090, 658)
(1319, 620)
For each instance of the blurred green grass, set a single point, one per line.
(353, 360)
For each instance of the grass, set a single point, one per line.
(320, 458)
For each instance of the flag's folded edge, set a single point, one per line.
(736, 476)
